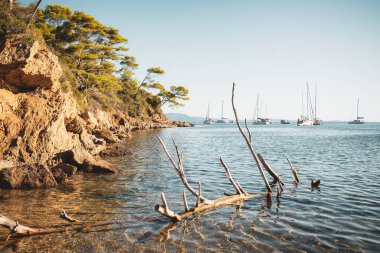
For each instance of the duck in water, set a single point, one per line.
(315, 184)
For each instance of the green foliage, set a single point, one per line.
(12, 21)
(86, 45)
(172, 96)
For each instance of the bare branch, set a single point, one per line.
(275, 176)
(15, 227)
(230, 177)
(199, 193)
(179, 168)
(165, 211)
(34, 12)
(248, 142)
(64, 216)
(185, 201)
(241, 188)
(295, 174)
(249, 132)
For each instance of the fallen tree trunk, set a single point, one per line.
(224, 201)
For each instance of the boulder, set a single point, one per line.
(115, 150)
(27, 66)
(84, 160)
(58, 175)
(99, 166)
(26, 177)
(62, 171)
(106, 135)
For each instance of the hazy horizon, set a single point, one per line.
(272, 48)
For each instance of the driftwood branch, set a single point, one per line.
(200, 205)
(224, 201)
(275, 176)
(249, 132)
(241, 188)
(249, 144)
(165, 211)
(64, 216)
(238, 191)
(185, 201)
(229, 199)
(15, 227)
(199, 193)
(179, 168)
(295, 174)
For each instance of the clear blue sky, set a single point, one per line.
(267, 47)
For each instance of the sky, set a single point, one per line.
(271, 48)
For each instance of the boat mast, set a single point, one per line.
(307, 100)
(208, 112)
(357, 110)
(315, 103)
(302, 106)
(222, 108)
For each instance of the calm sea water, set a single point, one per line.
(342, 215)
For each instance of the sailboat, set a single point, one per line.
(317, 121)
(257, 119)
(222, 120)
(358, 120)
(208, 120)
(285, 121)
(305, 120)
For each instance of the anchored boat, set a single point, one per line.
(358, 120)
(208, 120)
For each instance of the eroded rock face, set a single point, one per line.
(37, 120)
(27, 67)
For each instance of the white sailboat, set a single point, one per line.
(358, 120)
(208, 120)
(317, 121)
(223, 120)
(306, 120)
(257, 119)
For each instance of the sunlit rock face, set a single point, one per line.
(37, 120)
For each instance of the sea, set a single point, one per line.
(341, 215)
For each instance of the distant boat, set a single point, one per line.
(305, 120)
(317, 121)
(208, 120)
(257, 119)
(223, 120)
(358, 120)
(285, 121)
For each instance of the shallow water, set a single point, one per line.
(343, 215)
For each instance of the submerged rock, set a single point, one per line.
(99, 166)
(115, 150)
(26, 177)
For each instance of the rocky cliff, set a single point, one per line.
(44, 136)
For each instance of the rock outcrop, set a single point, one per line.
(28, 66)
(38, 121)
(44, 137)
